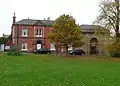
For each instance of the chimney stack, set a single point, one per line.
(48, 18)
(14, 18)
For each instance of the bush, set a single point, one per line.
(114, 47)
(14, 50)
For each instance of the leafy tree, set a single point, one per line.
(14, 50)
(54, 40)
(66, 32)
(102, 31)
(109, 16)
(4, 40)
(113, 47)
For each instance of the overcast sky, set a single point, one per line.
(84, 11)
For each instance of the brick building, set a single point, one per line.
(30, 34)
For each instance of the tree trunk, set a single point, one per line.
(66, 50)
(56, 48)
(117, 21)
(117, 32)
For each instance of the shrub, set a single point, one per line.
(114, 47)
(14, 50)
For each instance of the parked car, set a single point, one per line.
(43, 51)
(77, 52)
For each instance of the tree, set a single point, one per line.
(4, 40)
(101, 31)
(113, 47)
(109, 16)
(14, 50)
(66, 32)
(54, 40)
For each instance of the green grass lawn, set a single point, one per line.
(45, 70)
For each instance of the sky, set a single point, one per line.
(84, 11)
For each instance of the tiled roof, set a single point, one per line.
(35, 22)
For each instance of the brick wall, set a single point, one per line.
(31, 39)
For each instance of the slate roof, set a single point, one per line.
(85, 28)
(89, 28)
(35, 22)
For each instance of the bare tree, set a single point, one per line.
(109, 16)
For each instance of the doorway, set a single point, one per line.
(39, 44)
(93, 46)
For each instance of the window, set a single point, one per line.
(39, 32)
(24, 32)
(24, 46)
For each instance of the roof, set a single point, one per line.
(89, 28)
(35, 22)
(6, 36)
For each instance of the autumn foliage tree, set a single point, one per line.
(66, 32)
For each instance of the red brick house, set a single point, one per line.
(31, 34)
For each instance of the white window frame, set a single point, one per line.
(26, 31)
(39, 30)
(25, 46)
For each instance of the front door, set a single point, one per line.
(38, 46)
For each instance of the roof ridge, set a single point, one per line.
(34, 21)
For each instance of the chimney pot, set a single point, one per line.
(48, 18)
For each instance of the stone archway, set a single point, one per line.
(93, 46)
